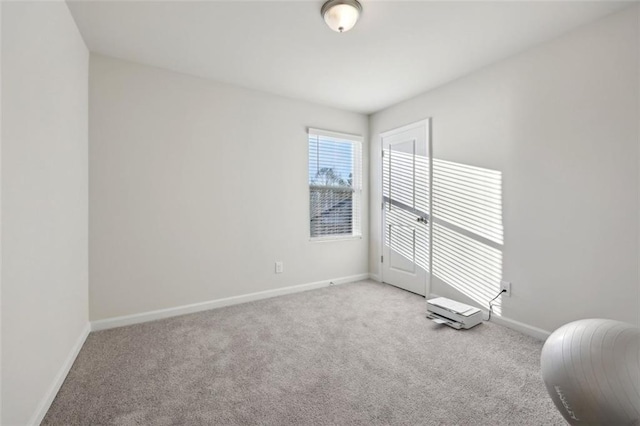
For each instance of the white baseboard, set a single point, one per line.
(521, 327)
(122, 321)
(375, 277)
(45, 403)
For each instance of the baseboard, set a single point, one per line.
(45, 403)
(122, 321)
(521, 327)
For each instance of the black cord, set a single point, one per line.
(491, 301)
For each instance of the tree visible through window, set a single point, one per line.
(335, 184)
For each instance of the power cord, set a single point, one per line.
(491, 301)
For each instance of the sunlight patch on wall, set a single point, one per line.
(472, 268)
(467, 232)
(469, 197)
(467, 221)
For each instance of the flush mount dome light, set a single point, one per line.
(341, 15)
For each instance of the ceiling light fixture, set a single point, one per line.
(341, 15)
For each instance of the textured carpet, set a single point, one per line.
(355, 354)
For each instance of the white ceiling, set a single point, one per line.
(396, 51)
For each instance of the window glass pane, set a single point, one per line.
(334, 186)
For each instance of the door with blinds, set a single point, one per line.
(406, 206)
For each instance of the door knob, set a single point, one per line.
(422, 220)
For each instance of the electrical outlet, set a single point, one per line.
(505, 285)
(279, 267)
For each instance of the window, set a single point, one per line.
(335, 184)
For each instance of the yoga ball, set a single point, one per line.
(591, 369)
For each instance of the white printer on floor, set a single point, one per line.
(454, 314)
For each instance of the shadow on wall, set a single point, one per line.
(468, 234)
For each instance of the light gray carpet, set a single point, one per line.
(355, 354)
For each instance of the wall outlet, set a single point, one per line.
(505, 285)
(279, 267)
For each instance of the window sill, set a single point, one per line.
(329, 239)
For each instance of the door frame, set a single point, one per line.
(428, 122)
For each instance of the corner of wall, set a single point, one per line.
(44, 204)
(55, 386)
(638, 101)
(1, 3)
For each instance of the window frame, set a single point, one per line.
(357, 184)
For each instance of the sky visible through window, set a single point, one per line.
(335, 156)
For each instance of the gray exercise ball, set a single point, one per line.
(592, 371)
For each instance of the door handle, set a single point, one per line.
(423, 220)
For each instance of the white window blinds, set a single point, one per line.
(335, 184)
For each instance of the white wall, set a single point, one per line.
(197, 188)
(561, 123)
(44, 202)
(1, 211)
